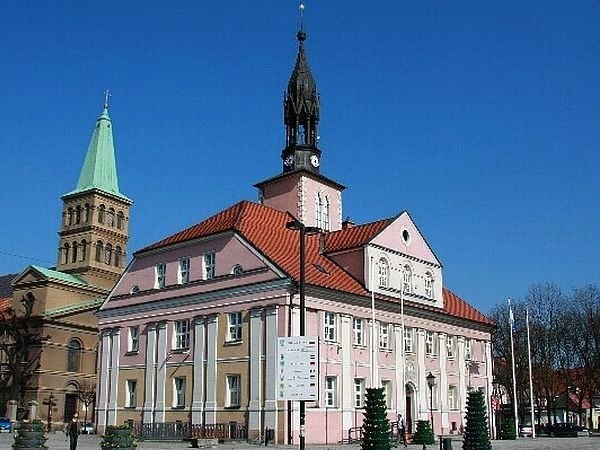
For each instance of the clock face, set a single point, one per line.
(314, 160)
(288, 161)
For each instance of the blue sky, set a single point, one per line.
(480, 118)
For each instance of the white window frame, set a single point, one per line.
(160, 271)
(384, 336)
(450, 347)
(468, 350)
(330, 326)
(183, 275)
(407, 280)
(133, 339)
(452, 397)
(387, 390)
(234, 327)
(429, 343)
(179, 386)
(429, 285)
(331, 392)
(357, 331)
(408, 340)
(210, 261)
(233, 391)
(130, 394)
(384, 273)
(359, 392)
(181, 334)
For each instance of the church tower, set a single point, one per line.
(95, 219)
(301, 189)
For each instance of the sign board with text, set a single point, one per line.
(298, 368)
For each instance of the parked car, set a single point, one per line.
(88, 428)
(562, 430)
(4, 425)
(526, 431)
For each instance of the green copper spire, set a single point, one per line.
(99, 169)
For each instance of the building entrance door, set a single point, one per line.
(70, 406)
(408, 413)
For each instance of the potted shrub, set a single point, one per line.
(118, 437)
(30, 435)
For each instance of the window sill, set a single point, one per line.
(178, 407)
(233, 407)
(177, 351)
(132, 352)
(236, 342)
(130, 407)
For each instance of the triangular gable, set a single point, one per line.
(403, 235)
(37, 273)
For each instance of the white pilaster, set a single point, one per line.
(150, 374)
(443, 382)
(421, 376)
(199, 360)
(115, 339)
(161, 372)
(270, 380)
(104, 378)
(347, 382)
(256, 381)
(374, 352)
(400, 368)
(462, 378)
(211, 370)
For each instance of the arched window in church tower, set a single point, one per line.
(83, 250)
(118, 253)
(108, 254)
(99, 246)
(319, 210)
(74, 356)
(326, 214)
(66, 253)
(86, 213)
(120, 218)
(407, 279)
(101, 210)
(74, 252)
(110, 217)
(78, 214)
(70, 216)
(384, 273)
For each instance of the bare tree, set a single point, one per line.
(87, 394)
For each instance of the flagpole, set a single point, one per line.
(511, 319)
(373, 347)
(530, 376)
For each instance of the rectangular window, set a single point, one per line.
(130, 394)
(181, 333)
(387, 391)
(384, 337)
(234, 327)
(161, 275)
(429, 344)
(184, 271)
(330, 392)
(357, 330)
(133, 339)
(453, 397)
(468, 349)
(178, 392)
(450, 346)
(209, 265)
(408, 340)
(330, 329)
(359, 392)
(234, 393)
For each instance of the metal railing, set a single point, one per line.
(180, 430)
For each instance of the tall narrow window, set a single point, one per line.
(74, 252)
(181, 334)
(326, 218)
(184, 270)
(429, 344)
(74, 356)
(99, 247)
(108, 254)
(331, 392)
(161, 275)
(329, 332)
(359, 392)
(234, 392)
(78, 214)
(101, 210)
(86, 213)
(66, 253)
(407, 280)
(452, 397)
(357, 330)
(319, 210)
(468, 349)
(120, 218)
(178, 392)
(450, 346)
(70, 216)
(384, 337)
(408, 339)
(428, 285)
(209, 265)
(235, 327)
(384, 273)
(130, 392)
(110, 217)
(387, 390)
(133, 339)
(83, 250)
(118, 253)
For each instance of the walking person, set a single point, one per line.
(401, 430)
(72, 431)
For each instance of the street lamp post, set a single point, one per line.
(431, 383)
(496, 404)
(51, 403)
(304, 230)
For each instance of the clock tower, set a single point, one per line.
(301, 189)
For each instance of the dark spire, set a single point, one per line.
(301, 113)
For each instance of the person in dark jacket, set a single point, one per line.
(72, 431)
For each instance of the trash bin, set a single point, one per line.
(445, 443)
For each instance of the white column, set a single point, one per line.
(104, 379)
(489, 390)
(421, 376)
(199, 359)
(400, 368)
(270, 380)
(150, 374)
(161, 372)
(443, 382)
(347, 381)
(374, 352)
(256, 381)
(115, 339)
(211, 370)
(462, 378)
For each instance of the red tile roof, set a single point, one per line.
(265, 228)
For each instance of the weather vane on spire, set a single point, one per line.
(301, 34)
(106, 96)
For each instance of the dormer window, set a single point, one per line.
(429, 285)
(384, 273)
(209, 265)
(406, 279)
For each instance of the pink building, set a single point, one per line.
(190, 332)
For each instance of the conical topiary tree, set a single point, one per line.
(424, 433)
(376, 427)
(476, 435)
